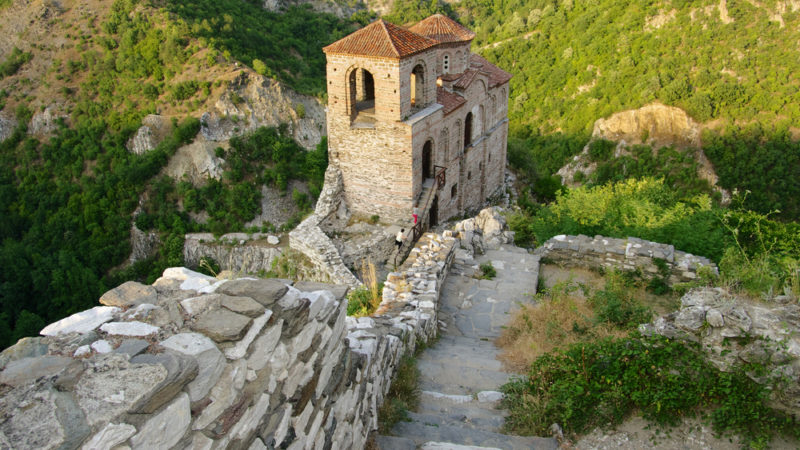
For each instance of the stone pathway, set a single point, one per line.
(460, 374)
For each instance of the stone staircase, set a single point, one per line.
(460, 373)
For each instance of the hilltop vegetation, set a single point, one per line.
(67, 202)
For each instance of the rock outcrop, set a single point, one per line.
(485, 231)
(733, 331)
(655, 125)
(45, 122)
(253, 101)
(153, 130)
(196, 162)
(7, 126)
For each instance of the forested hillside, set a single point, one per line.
(66, 201)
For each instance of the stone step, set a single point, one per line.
(472, 409)
(459, 379)
(394, 443)
(422, 433)
(480, 422)
(462, 356)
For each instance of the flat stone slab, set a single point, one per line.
(339, 291)
(82, 322)
(265, 292)
(27, 370)
(128, 294)
(134, 328)
(242, 305)
(222, 325)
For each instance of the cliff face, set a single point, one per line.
(655, 125)
(252, 101)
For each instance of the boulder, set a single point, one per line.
(82, 322)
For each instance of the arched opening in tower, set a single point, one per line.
(417, 86)
(362, 95)
(468, 130)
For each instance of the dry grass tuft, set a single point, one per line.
(561, 316)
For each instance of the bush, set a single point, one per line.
(596, 384)
(259, 67)
(487, 272)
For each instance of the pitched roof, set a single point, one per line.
(442, 29)
(381, 39)
(478, 65)
(449, 100)
(497, 76)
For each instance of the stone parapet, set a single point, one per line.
(193, 361)
(309, 239)
(624, 254)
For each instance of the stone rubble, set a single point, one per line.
(245, 363)
(623, 254)
(733, 331)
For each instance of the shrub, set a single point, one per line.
(587, 385)
(487, 272)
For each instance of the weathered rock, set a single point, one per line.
(265, 292)
(28, 347)
(166, 428)
(133, 328)
(45, 122)
(132, 347)
(82, 322)
(196, 162)
(30, 419)
(101, 346)
(111, 385)
(209, 359)
(242, 305)
(223, 394)
(7, 126)
(128, 294)
(180, 371)
(339, 291)
(28, 370)
(263, 347)
(240, 348)
(110, 436)
(222, 325)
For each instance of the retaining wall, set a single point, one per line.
(623, 254)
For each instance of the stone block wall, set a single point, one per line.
(238, 252)
(624, 254)
(192, 361)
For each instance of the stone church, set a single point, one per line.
(415, 120)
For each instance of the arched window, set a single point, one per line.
(417, 86)
(427, 160)
(446, 63)
(443, 141)
(468, 130)
(362, 93)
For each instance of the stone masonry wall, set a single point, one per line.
(623, 254)
(238, 252)
(192, 361)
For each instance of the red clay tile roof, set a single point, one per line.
(497, 76)
(449, 100)
(442, 29)
(381, 39)
(478, 65)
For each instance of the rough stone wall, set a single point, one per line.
(624, 254)
(733, 331)
(193, 361)
(237, 252)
